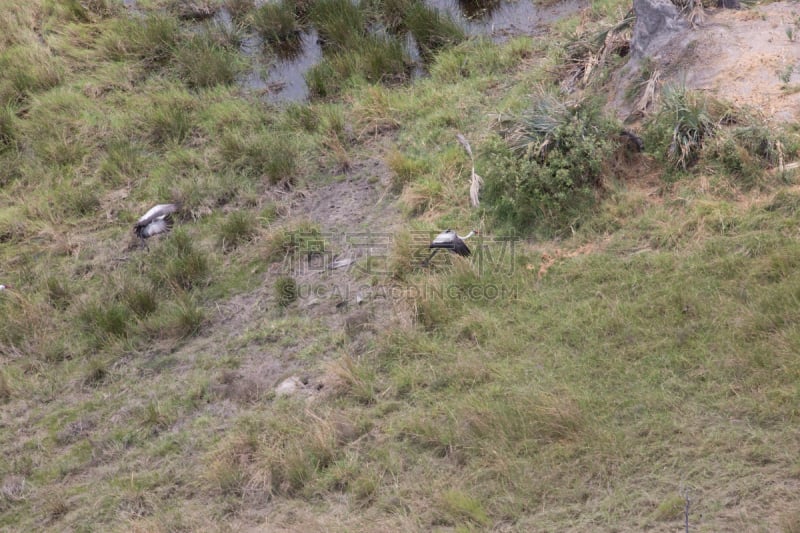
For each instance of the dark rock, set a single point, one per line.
(631, 141)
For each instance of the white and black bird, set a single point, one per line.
(157, 220)
(450, 240)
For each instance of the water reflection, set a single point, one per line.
(292, 65)
(476, 9)
(500, 18)
(282, 79)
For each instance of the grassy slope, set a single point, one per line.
(657, 353)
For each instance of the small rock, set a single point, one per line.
(289, 386)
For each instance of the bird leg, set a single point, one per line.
(428, 260)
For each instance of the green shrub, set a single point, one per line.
(549, 170)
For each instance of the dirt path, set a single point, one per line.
(358, 221)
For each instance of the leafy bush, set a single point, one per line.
(550, 167)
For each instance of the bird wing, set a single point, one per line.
(444, 238)
(461, 248)
(160, 210)
(154, 228)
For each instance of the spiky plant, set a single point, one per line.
(688, 115)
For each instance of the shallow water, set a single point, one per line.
(500, 19)
(283, 80)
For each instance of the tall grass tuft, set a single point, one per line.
(432, 30)
(340, 23)
(140, 297)
(180, 318)
(237, 228)
(384, 59)
(152, 39)
(285, 289)
(8, 128)
(26, 70)
(276, 22)
(240, 9)
(178, 263)
(686, 122)
(170, 118)
(105, 321)
(262, 153)
(392, 14)
(58, 292)
(5, 388)
(202, 62)
(75, 200)
(123, 161)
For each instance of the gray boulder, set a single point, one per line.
(658, 24)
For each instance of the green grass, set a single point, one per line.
(432, 30)
(582, 383)
(202, 62)
(276, 22)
